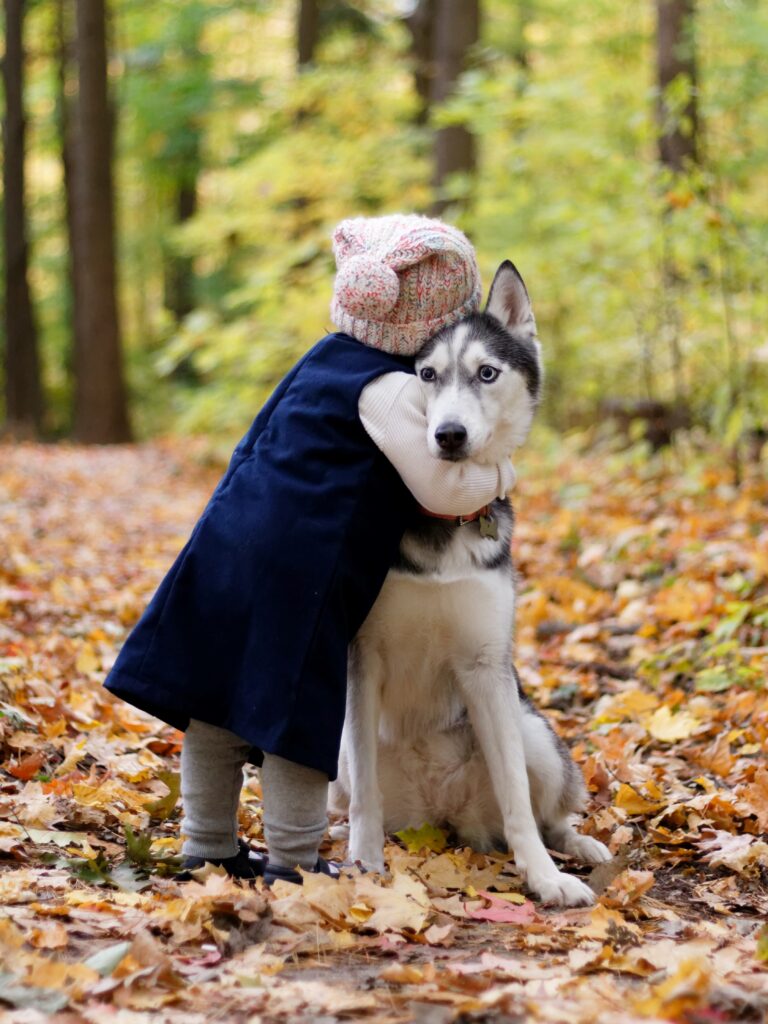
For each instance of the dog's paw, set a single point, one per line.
(563, 890)
(375, 866)
(369, 860)
(339, 831)
(367, 851)
(588, 850)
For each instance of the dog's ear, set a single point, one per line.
(509, 302)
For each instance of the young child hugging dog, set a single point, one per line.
(244, 644)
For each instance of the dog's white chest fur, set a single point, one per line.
(421, 630)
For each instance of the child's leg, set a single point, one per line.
(212, 762)
(294, 799)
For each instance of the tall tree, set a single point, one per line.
(455, 28)
(678, 142)
(101, 414)
(187, 91)
(676, 58)
(307, 31)
(179, 268)
(421, 24)
(66, 90)
(24, 403)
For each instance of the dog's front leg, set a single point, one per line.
(366, 815)
(494, 710)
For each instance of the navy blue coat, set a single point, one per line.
(249, 630)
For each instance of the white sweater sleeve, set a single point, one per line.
(392, 410)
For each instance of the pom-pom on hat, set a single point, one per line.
(400, 279)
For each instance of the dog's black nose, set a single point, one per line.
(451, 436)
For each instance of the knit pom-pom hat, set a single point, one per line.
(400, 279)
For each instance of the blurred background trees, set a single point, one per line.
(23, 393)
(185, 164)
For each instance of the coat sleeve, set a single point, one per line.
(393, 413)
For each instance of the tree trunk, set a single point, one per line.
(421, 25)
(65, 103)
(456, 29)
(183, 168)
(675, 56)
(678, 142)
(520, 53)
(307, 31)
(179, 270)
(101, 414)
(24, 403)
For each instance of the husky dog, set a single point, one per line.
(437, 728)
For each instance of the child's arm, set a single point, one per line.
(392, 411)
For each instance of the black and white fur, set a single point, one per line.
(437, 727)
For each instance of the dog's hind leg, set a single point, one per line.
(495, 712)
(562, 835)
(366, 815)
(558, 793)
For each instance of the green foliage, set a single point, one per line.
(164, 807)
(644, 284)
(138, 847)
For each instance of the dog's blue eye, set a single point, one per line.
(427, 373)
(488, 373)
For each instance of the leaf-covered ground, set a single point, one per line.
(643, 629)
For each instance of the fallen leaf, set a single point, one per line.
(87, 660)
(427, 837)
(48, 936)
(735, 852)
(164, 807)
(333, 898)
(440, 934)
(633, 802)
(606, 923)
(628, 887)
(28, 766)
(685, 990)
(403, 906)
(499, 909)
(669, 728)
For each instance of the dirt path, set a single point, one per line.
(643, 630)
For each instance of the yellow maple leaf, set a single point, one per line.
(633, 802)
(333, 898)
(510, 897)
(681, 991)
(87, 660)
(629, 704)
(402, 906)
(428, 837)
(605, 921)
(360, 911)
(669, 728)
(685, 600)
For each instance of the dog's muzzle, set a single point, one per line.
(451, 439)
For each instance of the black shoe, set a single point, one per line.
(246, 863)
(273, 872)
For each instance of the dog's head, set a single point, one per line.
(482, 376)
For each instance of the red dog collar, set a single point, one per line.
(459, 520)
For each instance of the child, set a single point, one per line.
(244, 644)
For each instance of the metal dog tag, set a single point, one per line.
(489, 527)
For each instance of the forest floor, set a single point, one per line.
(643, 632)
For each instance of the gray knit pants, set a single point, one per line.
(294, 799)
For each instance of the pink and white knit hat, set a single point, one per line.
(400, 279)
